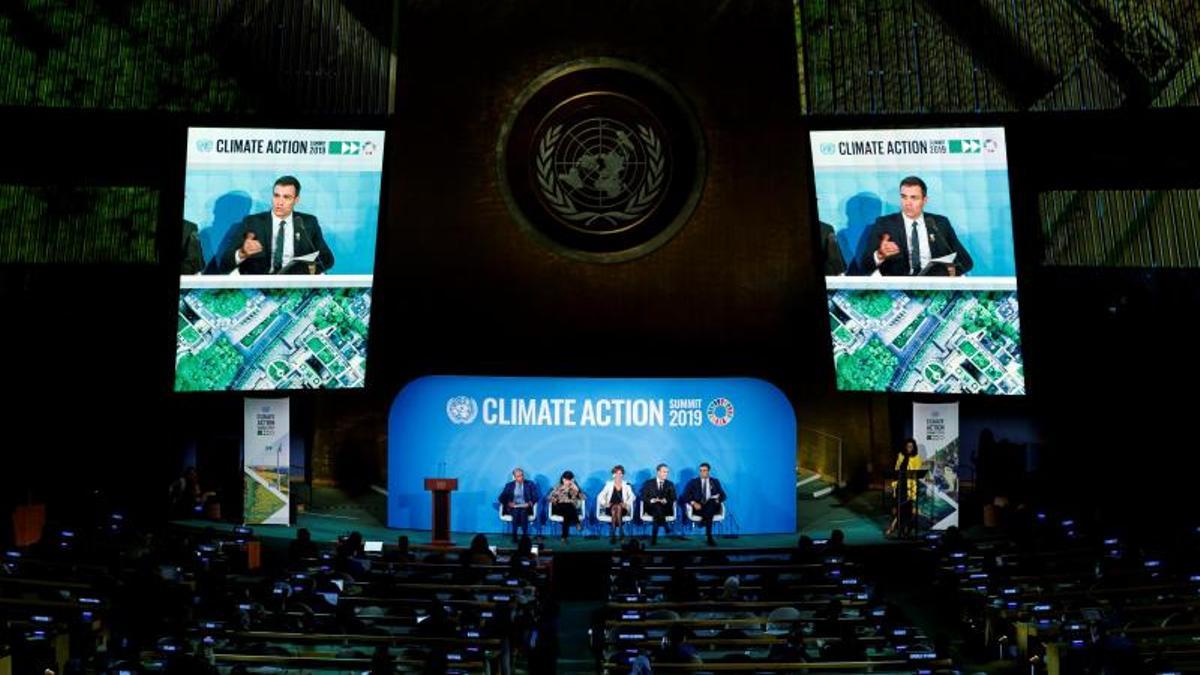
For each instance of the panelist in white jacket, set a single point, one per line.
(616, 501)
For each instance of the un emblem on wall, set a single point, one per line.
(602, 160)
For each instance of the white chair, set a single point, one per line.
(648, 519)
(603, 515)
(695, 519)
(507, 517)
(580, 507)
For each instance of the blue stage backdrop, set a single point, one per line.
(477, 429)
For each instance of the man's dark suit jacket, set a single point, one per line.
(192, 257)
(307, 238)
(942, 241)
(506, 495)
(694, 490)
(831, 253)
(650, 491)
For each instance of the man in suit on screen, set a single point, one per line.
(269, 242)
(904, 243)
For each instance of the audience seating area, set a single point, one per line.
(1048, 595)
(111, 601)
(1067, 599)
(762, 611)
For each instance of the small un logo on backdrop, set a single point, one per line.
(602, 160)
(462, 409)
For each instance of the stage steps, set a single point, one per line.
(812, 485)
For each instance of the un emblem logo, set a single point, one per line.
(462, 409)
(600, 174)
(602, 160)
(204, 145)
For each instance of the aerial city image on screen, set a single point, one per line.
(297, 338)
(927, 341)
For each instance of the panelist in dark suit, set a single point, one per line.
(901, 244)
(658, 500)
(267, 242)
(705, 495)
(191, 260)
(517, 499)
(831, 253)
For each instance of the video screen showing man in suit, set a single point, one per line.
(279, 241)
(278, 258)
(924, 298)
(913, 242)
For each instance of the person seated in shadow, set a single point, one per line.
(475, 559)
(730, 590)
(845, 647)
(349, 555)
(186, 495)
(628, 579)
(302, 547)
(675, 648)
(402, 553)
(792, 650)
(523, 561)
(683, 586)
(805, 551)
(837, 543)
(952, 539)
(479, 553)
(845, 644)
(381, 660)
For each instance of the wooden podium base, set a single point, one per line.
(440, 489)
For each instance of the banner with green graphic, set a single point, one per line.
(266, 461)
(935, 428)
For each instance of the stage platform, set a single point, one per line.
(332, 513)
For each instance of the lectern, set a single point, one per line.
(441, 488)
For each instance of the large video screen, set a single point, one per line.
(917, 247)
(278, 256)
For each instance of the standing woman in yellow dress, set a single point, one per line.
(904, 489)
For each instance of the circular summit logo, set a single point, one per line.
(602, 160)
(720, 412)
(462, 409)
